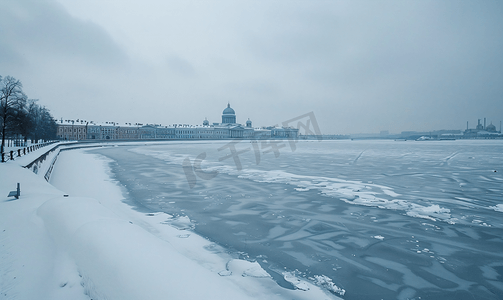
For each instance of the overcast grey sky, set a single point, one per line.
(361, 66)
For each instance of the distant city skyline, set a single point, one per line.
(91, 120)
(360, 66)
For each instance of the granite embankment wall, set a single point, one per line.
(43, 163)
(40, 159)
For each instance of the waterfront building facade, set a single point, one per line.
(228, 129)
(71, 130)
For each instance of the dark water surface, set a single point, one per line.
(382, 219)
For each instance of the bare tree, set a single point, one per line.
(39, 124)
(28, 120)
(12, 106)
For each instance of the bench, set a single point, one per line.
(16, 193)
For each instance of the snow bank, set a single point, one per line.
(31, 266)
(120, 260)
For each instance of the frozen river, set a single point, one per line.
(382, 219)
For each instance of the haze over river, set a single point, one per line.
(382, 219)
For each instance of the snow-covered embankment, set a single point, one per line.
(91, 245)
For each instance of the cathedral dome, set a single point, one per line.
(228, 110)
(228, 116)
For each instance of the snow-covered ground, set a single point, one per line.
(76, 239)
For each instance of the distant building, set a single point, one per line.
(491, 128)
(482, 131)
(72, 130)
(431, 135)
(228, 129)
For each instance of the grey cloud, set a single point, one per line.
(419, 62)
(254, 88)
(180, 66)
(40, 29)
(359, 65)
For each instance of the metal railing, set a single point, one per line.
(13, 154)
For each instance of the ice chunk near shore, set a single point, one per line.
(326, 282)
(246, 268)
(297, 283)
(225, 273)
(180, 223)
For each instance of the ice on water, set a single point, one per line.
(497, 207)
(392, 219)
(247, 268)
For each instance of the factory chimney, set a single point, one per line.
(467, 125)
(484, 123)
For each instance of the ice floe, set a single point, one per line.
(326, 282)
(497, 207)
(247, 268)
(296, 282)
(349, 191)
